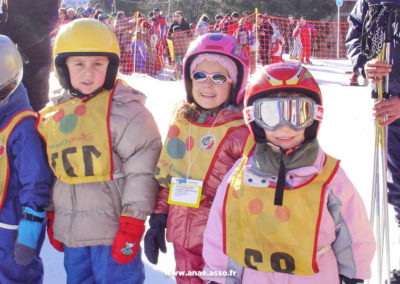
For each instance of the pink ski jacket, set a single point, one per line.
(345, 246)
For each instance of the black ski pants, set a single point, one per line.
(393, 147)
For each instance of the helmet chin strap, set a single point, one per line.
(280, 184)
(4, 101)
(85, 98)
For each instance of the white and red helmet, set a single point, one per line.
(283, 76)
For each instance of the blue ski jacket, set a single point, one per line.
(353, 43)
(29, 185)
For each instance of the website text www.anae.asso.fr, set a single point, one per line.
(201, 273)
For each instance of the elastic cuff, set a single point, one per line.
(30, 211)
(130, 220)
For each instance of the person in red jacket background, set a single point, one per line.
(305, 30)
(232, 24)
(277, 49)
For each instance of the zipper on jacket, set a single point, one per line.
(189, 214)
(73, 215)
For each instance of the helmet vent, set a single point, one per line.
(215, 47)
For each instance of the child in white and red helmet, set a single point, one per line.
(286, 212)
(207, 134)
(103, 146)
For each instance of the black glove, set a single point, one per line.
(29, 230)
(154, 240)
(395, 276)
(344, 280)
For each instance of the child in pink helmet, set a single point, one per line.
(207, 134)
(286, 212)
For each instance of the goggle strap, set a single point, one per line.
(248, 114)
(280, 185)
(318, 112)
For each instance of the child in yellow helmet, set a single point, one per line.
(103, 146)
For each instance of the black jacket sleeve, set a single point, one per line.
(29, 22)
(353, 43)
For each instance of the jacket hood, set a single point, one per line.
(125, 93)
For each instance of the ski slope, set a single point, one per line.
(347, 133)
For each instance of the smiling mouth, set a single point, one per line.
(208, 95)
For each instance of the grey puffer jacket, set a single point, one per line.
(87, 214)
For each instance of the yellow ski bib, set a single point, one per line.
(78, 139)
(270, 238)
(5, 133)
(190, 142)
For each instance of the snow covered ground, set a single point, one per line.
(347, 133)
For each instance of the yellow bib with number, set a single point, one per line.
(270, 238)
(78, 139)
(5, 133)
(190, 142)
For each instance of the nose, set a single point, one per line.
(88, 71)
(286, 128)
(208, 81)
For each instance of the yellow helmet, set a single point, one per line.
(85, 37)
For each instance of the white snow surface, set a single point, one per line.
(347, 133)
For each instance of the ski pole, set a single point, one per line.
(375, 202)
(383, 228)
(376, 190)
(380, 48)
(386, 95)
(384, 200)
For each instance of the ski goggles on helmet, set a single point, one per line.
(217, 78)
(272, 113)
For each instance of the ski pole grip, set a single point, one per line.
(389, 24)
(388, 46)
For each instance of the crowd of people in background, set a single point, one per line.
(153, 42)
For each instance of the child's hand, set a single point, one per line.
(50, 220)
(127, 241)
(154, 239)
(29, 230)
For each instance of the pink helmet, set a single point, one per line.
(220, 44)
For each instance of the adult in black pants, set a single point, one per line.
(29, 24)
(265, 32)
(389, 108)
